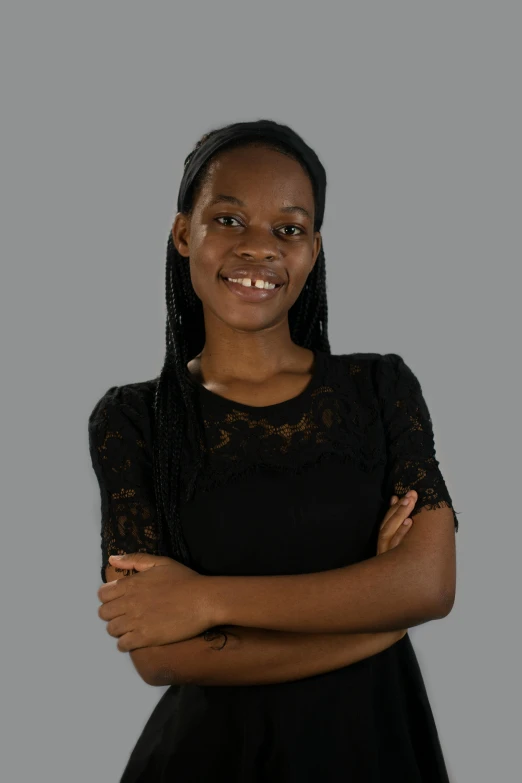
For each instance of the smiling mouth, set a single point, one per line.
(251, 293)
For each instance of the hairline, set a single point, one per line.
(276, 146)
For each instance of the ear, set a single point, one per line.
(181, 234)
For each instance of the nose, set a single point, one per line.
(257, 244)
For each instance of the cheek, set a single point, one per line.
(299, 264)
(208, 256)
(208, 250)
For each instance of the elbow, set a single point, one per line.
(447, 587)
(447, 601)
(165, 676)
(438, 585)
(159, 677)
(151, 671)
(142, 666)
(168, 664)
(147, 678)
(432, 601)
(442, 601)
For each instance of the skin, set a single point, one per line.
(249, 355)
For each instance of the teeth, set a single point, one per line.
(247, 282)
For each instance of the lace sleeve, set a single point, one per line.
(119, 445)
(409, 437)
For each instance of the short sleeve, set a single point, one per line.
(120, 448)
(410, 445)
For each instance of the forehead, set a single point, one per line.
(257, 171)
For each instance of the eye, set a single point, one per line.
(295, 228)
(227, 217)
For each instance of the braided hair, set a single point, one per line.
(176, 414)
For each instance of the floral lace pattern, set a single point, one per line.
(119, 445)
(330, 418)
(367, 409)
(409, 436)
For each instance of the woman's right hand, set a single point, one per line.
(392, 530)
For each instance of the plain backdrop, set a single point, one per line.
(414, 109)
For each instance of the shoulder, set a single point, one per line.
(379, 366)
(131, 402)
(386, 375)
(366, 360)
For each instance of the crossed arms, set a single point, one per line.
(281, 628)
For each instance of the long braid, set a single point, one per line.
(176, 411)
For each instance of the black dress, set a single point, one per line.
(290, 488)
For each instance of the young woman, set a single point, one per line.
(257, 490)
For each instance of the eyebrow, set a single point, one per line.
(233, 200)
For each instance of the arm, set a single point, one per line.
(404, 587)
(251, 656)
(255, 656)
(260, 656)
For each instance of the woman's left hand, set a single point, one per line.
(165, 602)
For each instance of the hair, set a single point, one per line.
(176, 412)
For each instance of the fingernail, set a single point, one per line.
(405, 502)
(115, 557)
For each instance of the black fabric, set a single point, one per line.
(290, 488)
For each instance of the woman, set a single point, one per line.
(257, 489)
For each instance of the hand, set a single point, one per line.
(392, 531)
(165, 602)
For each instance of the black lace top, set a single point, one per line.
(294, 487)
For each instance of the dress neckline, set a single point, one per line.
(211, 396)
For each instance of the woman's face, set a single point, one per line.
(253, 217)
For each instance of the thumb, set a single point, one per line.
(140, 561)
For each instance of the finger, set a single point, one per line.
(398, 512)
(118, 626)
(390, 529)
(128, 560)
(110, 590)
(411, 493)
(385, 545)
(140, 561)
(132, 640)
(401, 533)
(394, 527)
(110, 610)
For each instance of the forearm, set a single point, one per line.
(254, 656)
(384, 593)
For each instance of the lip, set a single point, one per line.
(251, 293)
(265, 273)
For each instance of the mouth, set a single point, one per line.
(251, 293)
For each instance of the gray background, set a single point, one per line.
(414, 109)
